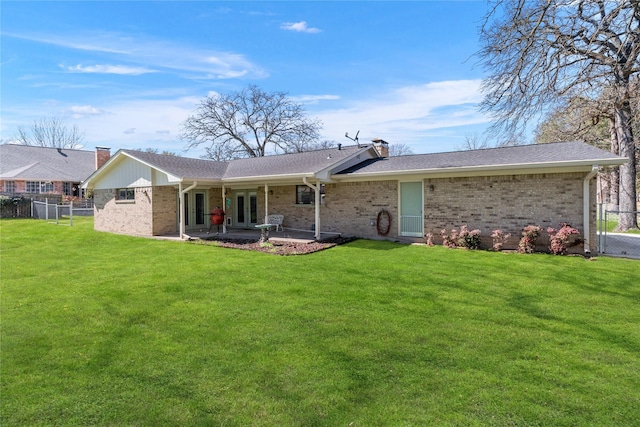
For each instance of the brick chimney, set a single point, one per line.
(381, 146)
(102, 155)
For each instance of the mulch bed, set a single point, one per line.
(278, 248)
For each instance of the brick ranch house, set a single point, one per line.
(29, 170)
(344, 189)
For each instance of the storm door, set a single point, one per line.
(411, 209)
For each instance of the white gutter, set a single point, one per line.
(585, 208)
(438, 172)
(181, 213)
(316, 189)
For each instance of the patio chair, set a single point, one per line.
(276, 220)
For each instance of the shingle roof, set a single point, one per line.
(22, 162)
(299, 163)
(183, 167)
(308, 162)
(491, 157)
(313, 162)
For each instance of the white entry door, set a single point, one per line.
(411, 209)
(245, 212)
(195, 208)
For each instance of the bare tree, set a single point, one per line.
(247, 123)
(50, 132)
(399, 149)
(475, 141)
(302, 145)
(540, 53)
(157, 151)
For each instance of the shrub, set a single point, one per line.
(429, 239)
(527, 243)
(463, 239)
(469, 239)
(559, 239)
(450, 241)
(499, 238)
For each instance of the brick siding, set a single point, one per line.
(508, 202)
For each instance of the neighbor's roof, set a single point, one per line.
(561, 154)
(28, 163)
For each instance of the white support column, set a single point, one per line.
(318, 198)
(224, 209)
(180, 211)
(266, 203)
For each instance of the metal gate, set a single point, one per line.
(613, 243)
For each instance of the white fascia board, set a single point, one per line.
(512, 169)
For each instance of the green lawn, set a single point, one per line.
(100, 329)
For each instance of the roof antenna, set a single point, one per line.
(353, 139)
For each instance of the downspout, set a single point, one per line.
(316, 190)
(182, 195)
(586, 209)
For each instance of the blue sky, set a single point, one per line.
(129, 73)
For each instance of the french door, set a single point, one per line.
(195, 208)
(245, 214)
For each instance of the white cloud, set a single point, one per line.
(141, 124)
(412, 115)
(313, 99)
(109, 69)
(152, 55)
(300, 27)
(78, 111)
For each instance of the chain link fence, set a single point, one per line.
(613, 243)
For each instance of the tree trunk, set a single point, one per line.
(622, 120)
(614, 173)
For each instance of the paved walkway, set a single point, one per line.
(620, 245)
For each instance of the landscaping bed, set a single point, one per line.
(279, 247)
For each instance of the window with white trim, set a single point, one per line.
(305, 195)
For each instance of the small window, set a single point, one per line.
(126, 194)
(10, 187)
(305, 195)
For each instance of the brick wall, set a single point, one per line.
(165, 210)
(347, 208)
(127, 217)
(506, 202)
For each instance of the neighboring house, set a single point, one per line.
(344, 189)
(27, 170)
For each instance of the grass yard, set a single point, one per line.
(101, 329)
